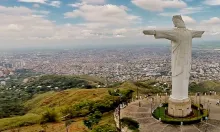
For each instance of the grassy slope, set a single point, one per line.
(211, 85)
(58, 100)
(76, 126)
(206, 86)
(40, 103)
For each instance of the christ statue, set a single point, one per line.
(181, 41)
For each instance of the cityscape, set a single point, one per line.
(113, 65)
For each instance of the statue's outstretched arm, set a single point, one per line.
(162, 34)
(197, 34)
(149, 32)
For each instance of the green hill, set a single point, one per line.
(13, 95)
(205, 86)
(78, 100)
(56, 100)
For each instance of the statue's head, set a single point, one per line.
(178, 21)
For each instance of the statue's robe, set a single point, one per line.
(181, 40)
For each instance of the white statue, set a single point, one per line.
(181, 40)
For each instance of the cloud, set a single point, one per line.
(25, 25)
(94, 1)
(184, 11)
(41, 12)
(110, 14)
(110, 23)
(36, 5)
(188, 20)
(14, 10)
(34, 1)
(21, 22)
(159, 5)
(19, 10)
(46, 2)
(212, 2)
(55, 3)
(14, 27)
(210, 26)
(211, 21)
(76, 4)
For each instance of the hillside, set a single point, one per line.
(14, 94)
(57, 100)
(74, 98)
(205, 86)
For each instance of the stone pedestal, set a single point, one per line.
(179, 108)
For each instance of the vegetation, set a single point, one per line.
(93, 119)
(75, 102)
(49, 116)
(106, 104)
(19, 121)
(205, 86)
(104, 128)
(17, 92)
(195, 117)
(130, 123)
(150, 86)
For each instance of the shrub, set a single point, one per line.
(49, 116)
(195, 117)
(104, 128)
(78, 110)
(93, 119)
(86, 107)
(130, 123)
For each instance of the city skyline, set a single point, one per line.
(48, 23)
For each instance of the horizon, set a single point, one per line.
(166, 44)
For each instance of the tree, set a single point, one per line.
(93, 119)
(49, 116)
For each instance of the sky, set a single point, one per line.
(50, 23)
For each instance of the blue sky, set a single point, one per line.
(69, 22)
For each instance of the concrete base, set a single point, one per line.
(179, 108)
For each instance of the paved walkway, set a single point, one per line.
(150, 124)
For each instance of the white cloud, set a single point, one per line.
(212, 2)
(94, 1)
(41, 12)
(110, 22)
(46, 2)
(55, 3)
(19, 22)
(14, 10)
(34, 1)
(184, 11)
(22, 24)
(76, 4)
(188, 20)
(14, 27)
(110, 14)
(36, 5)
(189, 0)
(159, 5)
(212, 21)
(210, 26)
